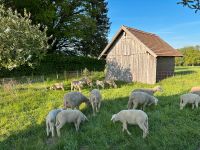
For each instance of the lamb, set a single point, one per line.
(51, 121)
(133, 116)
(141, 98)
(69, 116)
(100, 83)
(74, 100)
(190, 98)
(76, 85)
(95, 100)
(57, 86)
(150, 91)
(195, 90)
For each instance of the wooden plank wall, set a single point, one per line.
(129, 54)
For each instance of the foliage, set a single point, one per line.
(191, 56)
(20, 42)
(78, 27)
(23, 113)
(56, 63)
(192, 4)
(86, 72)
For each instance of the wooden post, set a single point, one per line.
(65, 75)
(56, 75)
(77, 74)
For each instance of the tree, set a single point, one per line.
(80, 27)
(191, 56)
(21, 43)
(192, 4)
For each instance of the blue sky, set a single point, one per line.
(177, 25)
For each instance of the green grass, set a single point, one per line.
(23, 112)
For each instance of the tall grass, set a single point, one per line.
(23, 112)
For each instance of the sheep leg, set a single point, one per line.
(193, 106)
(144, 129)
(144, 105)
(77, 123)
(196, 103)
(130, 104)
(52, 129)
(58, 128)
(71, 87)
(47, 128)
(135, 105)
(125, 128)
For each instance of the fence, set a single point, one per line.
(66, 75)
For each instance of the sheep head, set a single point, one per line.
(156, 101)
(158, 88)
(113, 118)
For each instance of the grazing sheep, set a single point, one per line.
(133, 116)
(95, 100)
(149, 91)
(86, 81)
(76, 85)
(51, 121)
(74, 99)
(189, 98)
(69, 116)
(141, 98)
(100, 83)
(57, 86)
(111, 83)
(195, 90)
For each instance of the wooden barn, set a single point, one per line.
(135, 55)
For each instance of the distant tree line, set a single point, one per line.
(191, 56)
(79, 27)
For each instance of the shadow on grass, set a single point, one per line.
(184, 72)
(100, 133)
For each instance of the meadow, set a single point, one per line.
(23, 112)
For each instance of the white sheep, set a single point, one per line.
(195, 90)
(74, 99)
(150, 91)
(69, 116)
(95, 100)
(133, 116)
(51, 121)
(141, 98)
(189, 98)
(100, 84)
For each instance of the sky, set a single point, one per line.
(177, 25)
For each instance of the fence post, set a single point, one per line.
(56, 75)
(65, 75)
(77, 74)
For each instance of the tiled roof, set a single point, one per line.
(153, 42)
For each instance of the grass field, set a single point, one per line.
(23, 111)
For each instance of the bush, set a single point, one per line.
(56, 63)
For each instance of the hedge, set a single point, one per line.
(56, 63)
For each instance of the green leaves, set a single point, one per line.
(20, 41)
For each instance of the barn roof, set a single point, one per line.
(156, 46)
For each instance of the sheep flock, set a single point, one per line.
(134, 114)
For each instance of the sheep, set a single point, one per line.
(69, 116)
(190, 98)
(195, 90)
(141, 98)
(74, 99)
(150, 91)
(133, 116)
(57, 86)
(111, 83)
(100, 83)
(51, 121)
(76, 85)
(95, 100)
